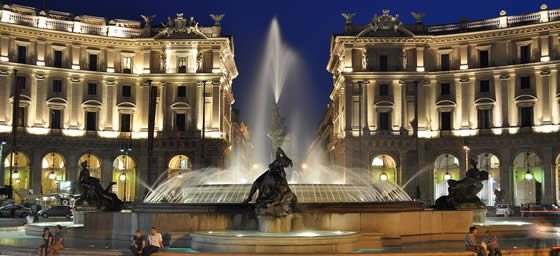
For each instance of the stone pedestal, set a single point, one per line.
(478, 213)
(79, 214)
(268, 224)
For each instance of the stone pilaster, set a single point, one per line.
(108, 105)
(348, 88)
(216, 104)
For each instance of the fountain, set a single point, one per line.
(321, 209)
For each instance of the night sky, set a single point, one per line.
(306, 25)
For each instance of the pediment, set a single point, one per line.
(384, 103)
(126, 105)
(484, 101)
(92, 103)
(525, 98)
(446, 103)
(180, 106)
(57, 101)
(385, 25)
(22, 99)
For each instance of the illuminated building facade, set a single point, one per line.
(85, 95)
(410, 101)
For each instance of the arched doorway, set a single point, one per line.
(490, 163)
(446, 167)
(20, 174)
(53, 173)
(179, 165)
(124, 175)
(93, 165)
(383, 168)
(528, 177)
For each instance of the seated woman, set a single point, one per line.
(46, 242)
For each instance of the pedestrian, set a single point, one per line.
(139, 244)
(471, 245)
(58, 241)
(492, 244)
(46, 241)
(155, 242)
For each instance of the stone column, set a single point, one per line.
(403, 106)
(512, 107)
(72, 166)
(200, 99)
(421, 105)
(549, 176)
(465, 103)
(76, 56)
(433, 111)
(41, 53)
(36, 107)
(504, 99)
(5, 91)
(146, 64)
(347, 58)
(473, 122)
(545, 52)
(420, 59)
(216, 103)
(75, 94)
(463, 53)
(110, 59)
(108, 105)
(36, 170)
(497, 111)
(144, 104)
(365, 86)
(106, 169)
(545, 94)
(216, 61)
(348, 104)
(4, 47)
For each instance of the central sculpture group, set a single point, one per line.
(275, 199)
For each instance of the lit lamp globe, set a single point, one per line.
(122, 177)
(447, 176)
(528, 175)
(304, 166)
(383, 177)
(15, 175)
(52, 175)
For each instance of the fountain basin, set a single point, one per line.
(261, 242)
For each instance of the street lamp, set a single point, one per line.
(529, 175)
(383, 176)
(467, 149)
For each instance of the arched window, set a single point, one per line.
(124, 175)
(179, 165)
(528, 178)
(53, 176)
(383, 168)
(446, 167)
(93, 165)
(490, 163)
(20, 172)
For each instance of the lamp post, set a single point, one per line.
(2, 143)
(125, 148)
(467, 149)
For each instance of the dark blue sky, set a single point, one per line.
(306, 25)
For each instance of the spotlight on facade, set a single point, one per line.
(466, 148)
(304, 166)
(528, 175)
(255, 166)
(52, 175)
(122, 177)
(15, 175)
(383, 177)
(447, 176)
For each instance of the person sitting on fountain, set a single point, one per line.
(275, 197)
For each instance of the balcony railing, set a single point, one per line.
(500, 22)
(8, 16)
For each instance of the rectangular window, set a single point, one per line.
(384, 90)
(383, 63)
(484, 119)
(92, 89)
(92, 62)
(181, 91)
(483, 59)
(525, 82)
(57, 86)
(484, 85)
(125, 122)
(56, 118)
(526, 116)
(127, 65)
(22, 82)
(126, 91)
(182, 65)
(384, 121)
(445, 121)
(21, 117)
(180, 122)
(21, 54)
(445, 89)
(91, 121)
(57, 59)
(525, 54)
(445, 62)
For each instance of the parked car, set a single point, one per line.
(502, 209)
(56, 211)
(18, 211)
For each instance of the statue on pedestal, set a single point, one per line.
(93, 195)
(275, 199)
(462, 193)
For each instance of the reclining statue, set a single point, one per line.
(463, 192)
(92, 194)
(275, 197)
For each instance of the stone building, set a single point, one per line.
(411, 101)
(85, 96)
